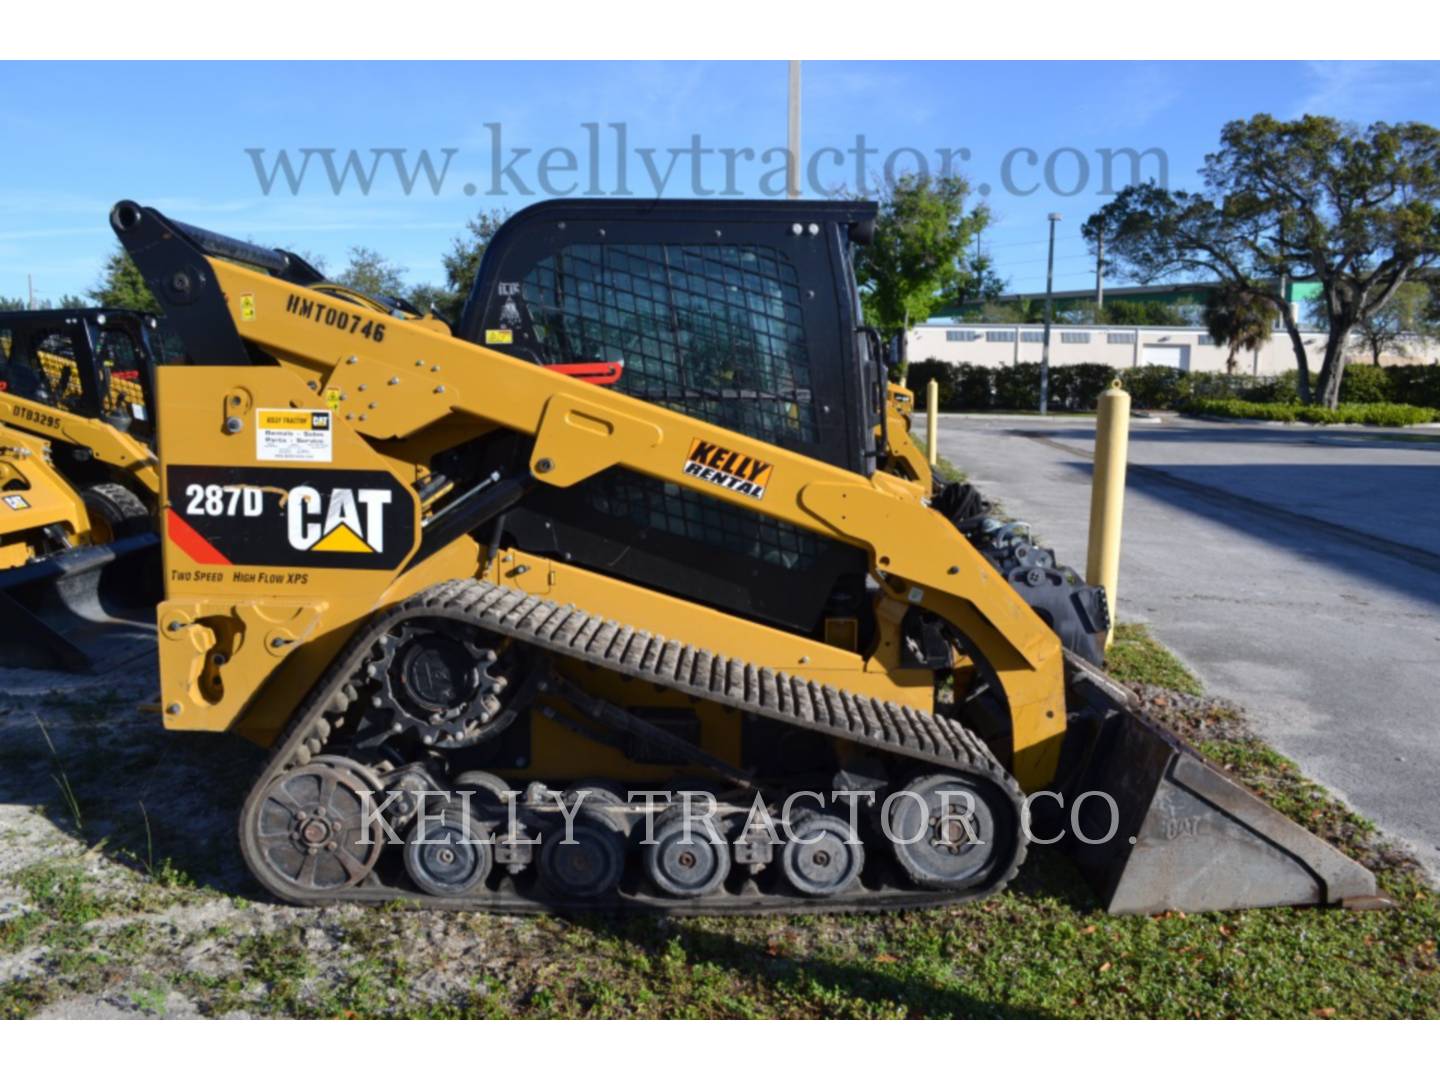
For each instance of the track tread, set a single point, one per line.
(567, 631)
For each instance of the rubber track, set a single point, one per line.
(566, 631)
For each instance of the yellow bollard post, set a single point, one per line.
(1107, 495)
(932, 422)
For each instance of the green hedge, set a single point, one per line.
(1383, 414)
(1075, 387)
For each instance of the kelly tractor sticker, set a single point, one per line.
(294, 435)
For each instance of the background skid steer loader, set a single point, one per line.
(413, 563)
(79, 557)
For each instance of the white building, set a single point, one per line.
(1188, 348)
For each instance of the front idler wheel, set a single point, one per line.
(313, 828)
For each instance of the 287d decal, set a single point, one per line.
(359, 519)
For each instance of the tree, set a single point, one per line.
(1119, 311)
(915, 259)
(371, 273)
(1238, 319)
(978, 281)
(42, 303)
(1354, 210)
(462, 261)
(121, 285)
(1407, 318)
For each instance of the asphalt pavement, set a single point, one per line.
(1296, 571)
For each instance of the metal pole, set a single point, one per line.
(1100, 274)
(932, 422)
(792, 161)
(1045, 348)
(1107, 495)
(30, 285)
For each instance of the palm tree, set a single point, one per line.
(1240, 319)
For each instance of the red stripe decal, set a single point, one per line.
(191, 542)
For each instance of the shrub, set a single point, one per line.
(1077, 387)
(1364, 384)
(919, 374)
(1380, 414)
(1154, 386)
(972, 387)
(1272, 389)
(1017, 386)
(1214, 384)
(1411, 384)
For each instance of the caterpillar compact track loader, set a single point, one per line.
(79, 573)
(647, 524)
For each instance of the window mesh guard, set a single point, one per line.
(714, 331)
(711, 330)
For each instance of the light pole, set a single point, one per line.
(1100, 273)
(1045, 348)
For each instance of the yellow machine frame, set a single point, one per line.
(116, 448)
(35, 497)
(403, 393)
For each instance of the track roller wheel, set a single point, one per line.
(687, 858)
(943, 830)
(449, 857)
(590, 865)
(309, 830)
(487, 790)
(822, 855)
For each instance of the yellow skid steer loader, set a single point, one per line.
(617, 599)
(79, 572)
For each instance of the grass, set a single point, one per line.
(1381, 414)
(1135, 656)
(1041, 949)
(943, 469)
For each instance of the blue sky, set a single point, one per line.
(175, 135)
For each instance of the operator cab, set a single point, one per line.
(741, 313)
(94, 362)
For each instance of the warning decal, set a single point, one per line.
(16, 502)
(729, 469)
(293, 435)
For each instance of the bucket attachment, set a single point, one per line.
(87, 609)
(1186, 837)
